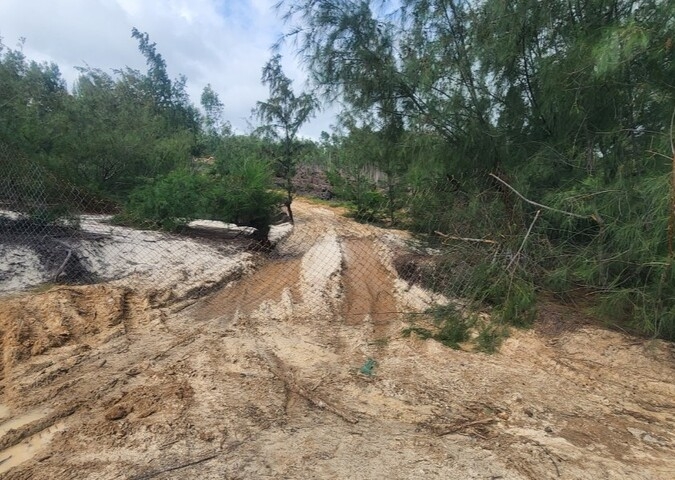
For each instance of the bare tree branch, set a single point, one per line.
(596, 218)
(520, 249)
(464, 239)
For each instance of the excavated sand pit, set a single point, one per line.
(261, 379)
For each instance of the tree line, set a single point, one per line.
(133, 143)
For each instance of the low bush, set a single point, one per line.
(490, 337)
(242, 195)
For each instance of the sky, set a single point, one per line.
(224, 43)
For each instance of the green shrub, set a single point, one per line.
(241, 196)
(171, 201)
(244, 196)
(368, 202)
(519, 308)
(453, 332)
(490, 337)
(454, 329)
(649, 310)
(512, 295)
(423, 333)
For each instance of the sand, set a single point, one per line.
(262, 378)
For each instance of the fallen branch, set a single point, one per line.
(550, 456)
(65, 262)
(183, 342)
(465, 425)
(165, 445)
(520, 249)
(155, 473)
(595, 218)
(464, 239)
(277, 368)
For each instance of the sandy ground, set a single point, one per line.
(263, 379)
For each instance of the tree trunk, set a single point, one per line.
(290, 212)
(261, 236)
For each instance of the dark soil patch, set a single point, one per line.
(426, 271)
(55, 246)
(311, 180)
(555, 318)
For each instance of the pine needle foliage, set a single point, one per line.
(569, 103)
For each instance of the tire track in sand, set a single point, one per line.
(329, 265)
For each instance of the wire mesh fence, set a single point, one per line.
(329, 262)
(51, 233)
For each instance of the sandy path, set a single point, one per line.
(261, 380)
(326, 260)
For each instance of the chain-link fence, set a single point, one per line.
(335, 260)
(326, 263)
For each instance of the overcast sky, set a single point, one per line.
(221, 42)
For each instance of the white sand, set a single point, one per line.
(277, 232)
(9, 214)
(220, 226)
(280, 232)
(168, 261)
(20, 268)
(319, 264)
(414, 298)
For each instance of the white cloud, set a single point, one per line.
(221, 42)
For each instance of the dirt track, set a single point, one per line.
(261, 380)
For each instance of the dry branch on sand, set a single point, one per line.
(279, 370)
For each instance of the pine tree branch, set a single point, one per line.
(596, 218)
